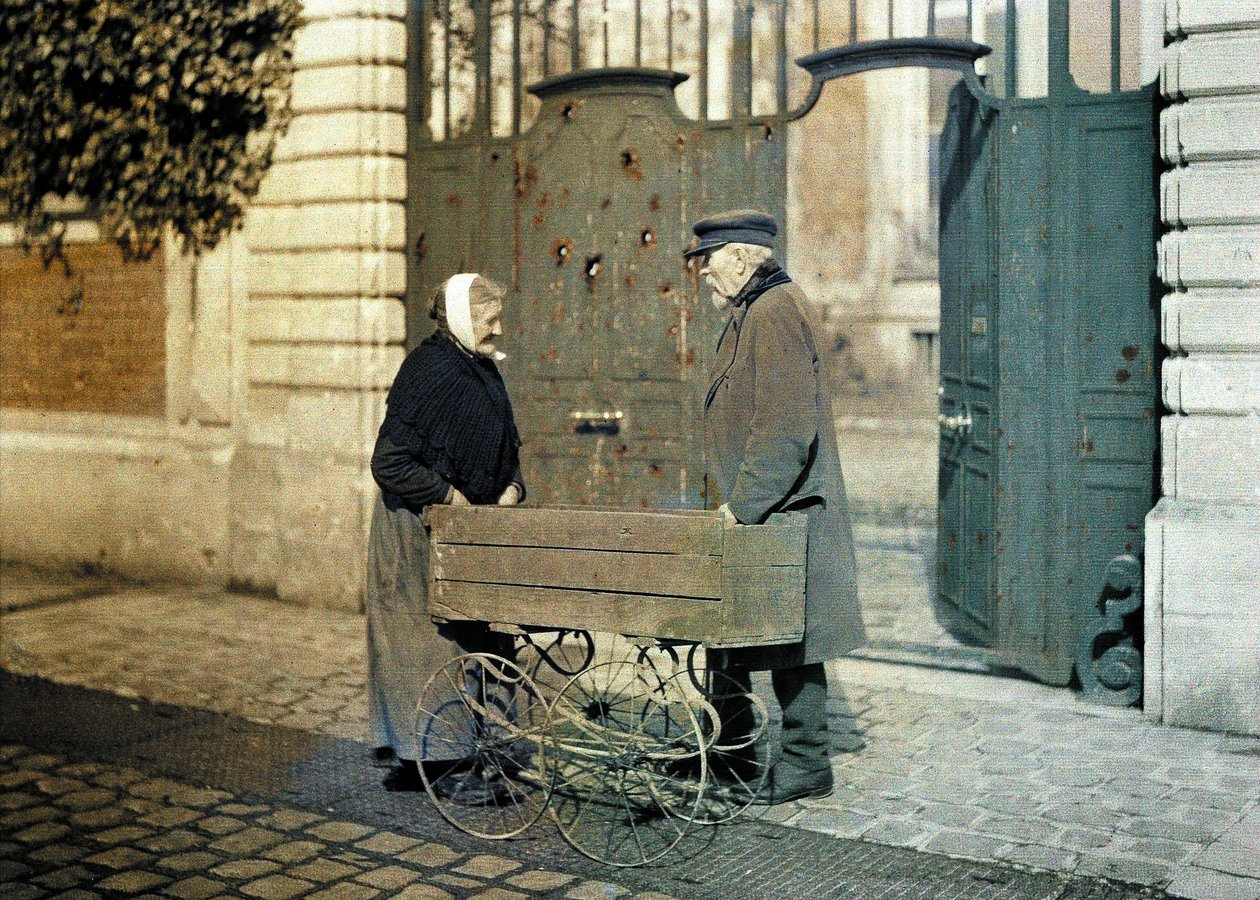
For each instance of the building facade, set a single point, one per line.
(211, 420)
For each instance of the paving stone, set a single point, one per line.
(387, 843)
(423, 892)
(16, 779)
(139, 805)
(1194, 883)
(37, 761)
(30, 892)
(17, 800)
(348, 890)
(322, 871)
(242, 809)
(220, 825)
(1235, 860)
(121, 834)
(540, 880)
(29, 816)
(132, 882)
(197, 797)
(61, 879)
(340, 832)
(98, 818)
(173, 841)
(118, 778)
(487, 866)
(896, 832)
(841, 823)
(155, 788)
(498, 894)
(596, 890)
(276, 887)
(431, 855)
(1156, 849)
(11, 870)
(44, 833)
(58, 854)
(93, 798)
(1024, 831)
(248, 840)
(172, 815)
(294, 851)
(288, 819)
(196, 861)
(8, 848)
(388, 878)
(1039, 857)
(198, 887)
(246, 869)
(119, 858)
(965, 843)
(1121, 868)
(1186, 832)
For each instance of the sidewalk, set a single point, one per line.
(954, 763)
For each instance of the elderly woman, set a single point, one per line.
(448, 437)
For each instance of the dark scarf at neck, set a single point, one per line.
(452, 410)
(769, 274)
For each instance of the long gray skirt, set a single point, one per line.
(405, 647)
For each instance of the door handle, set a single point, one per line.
(960, 425)
(606, 421)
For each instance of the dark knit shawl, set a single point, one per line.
(452, 411)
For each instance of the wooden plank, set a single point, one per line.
(780, 542)
(652, 616)
(595, 570)
(762, 605)
(696, 532)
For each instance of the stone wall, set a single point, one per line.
(1202, 565)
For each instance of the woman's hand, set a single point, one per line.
(457, 499)
(511, 495)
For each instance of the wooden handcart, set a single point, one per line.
(605, 712)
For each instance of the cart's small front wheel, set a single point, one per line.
(478, 731)
(616, 735)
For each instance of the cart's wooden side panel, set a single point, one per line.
(683, 576)
(679, 618)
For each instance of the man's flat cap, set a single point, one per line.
(739, 226)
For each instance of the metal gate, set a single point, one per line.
(1047, 335)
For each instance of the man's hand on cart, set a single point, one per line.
(511, 495)
(455, 498)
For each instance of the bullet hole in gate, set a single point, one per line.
(594, 265)
(630, 162)
(568, 110)
(768, 131)
(647, 237)
(562, 250)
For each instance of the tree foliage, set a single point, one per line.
(152, 112)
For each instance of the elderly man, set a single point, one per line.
(772, 448)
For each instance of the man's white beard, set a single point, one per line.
(720, 303)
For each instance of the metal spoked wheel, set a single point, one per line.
(617, 735)
(551, 658)
(478, 731)
(734, 723)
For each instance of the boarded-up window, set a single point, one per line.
(94, 342)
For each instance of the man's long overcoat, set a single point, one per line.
(772, 448)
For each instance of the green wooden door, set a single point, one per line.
(1049, 352)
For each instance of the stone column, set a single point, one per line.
(1202, 558)
(325, 320)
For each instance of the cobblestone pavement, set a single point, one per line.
(85, 829)
(957, 763)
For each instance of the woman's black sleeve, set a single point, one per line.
(397, 472)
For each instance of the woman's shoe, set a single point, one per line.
(785, 783)
(403, 777)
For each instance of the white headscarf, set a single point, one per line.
(459, 309)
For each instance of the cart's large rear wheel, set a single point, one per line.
(616, 736)
(478, 731)
(734, 723)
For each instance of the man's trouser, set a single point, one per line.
(802, 695)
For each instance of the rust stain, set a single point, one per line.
(452, 198)
(526, 178)
(654, 203)
(558, 313)
(422, 247)
(681, 141)
(544, 200)
(1130, 352)
(1122, 375)
(631, 281)
(605, 203)
(539, 219)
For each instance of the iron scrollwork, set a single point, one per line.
(1109, 658)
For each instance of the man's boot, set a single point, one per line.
(804, 768)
